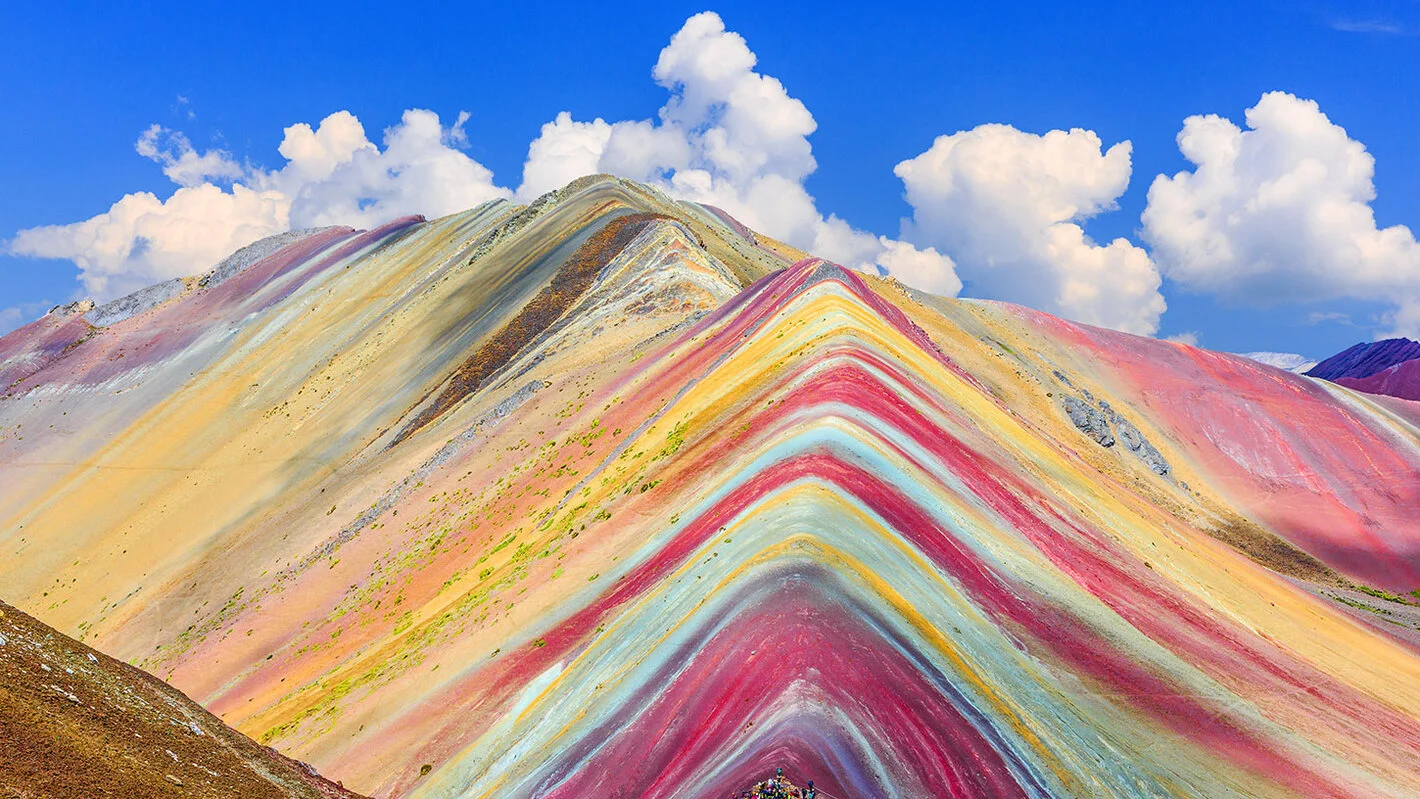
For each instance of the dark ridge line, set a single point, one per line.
(567, 286)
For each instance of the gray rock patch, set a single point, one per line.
(237, 262)
(111, 313)
(1095, 418)
(1089, 420)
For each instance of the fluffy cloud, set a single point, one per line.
(333, 175)
(565, 150)
(998, 206)
(1281, 212)
(926, 269)
(728, 136)
(181, 163)
(141, 239)
(1007, 206)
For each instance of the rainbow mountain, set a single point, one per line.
(608, 495)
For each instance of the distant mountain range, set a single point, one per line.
(1390, 367)
(1288, 361)
(1366, 359)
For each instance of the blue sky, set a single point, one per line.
(81, 82)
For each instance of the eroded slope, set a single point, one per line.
(77, 723)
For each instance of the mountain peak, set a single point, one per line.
(1366, 358)
(608, 494)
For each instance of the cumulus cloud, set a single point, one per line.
(336, 176)
(181, 163)
(563, 151)
(998, 206)
(728, 136)
(333, 175)
(1007, 206)
(142, 239)
(1281, 212)
(925, 269)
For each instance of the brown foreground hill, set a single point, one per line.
(77, 723)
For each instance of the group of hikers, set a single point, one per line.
(778, 788)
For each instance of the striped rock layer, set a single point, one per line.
(609, 496)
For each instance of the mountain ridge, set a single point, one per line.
(692, 524)
(1366, 359)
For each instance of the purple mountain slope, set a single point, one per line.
(1366, 359)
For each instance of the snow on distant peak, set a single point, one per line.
(1289, 361)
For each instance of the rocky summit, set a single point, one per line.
(608, 495)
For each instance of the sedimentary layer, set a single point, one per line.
(610, 495)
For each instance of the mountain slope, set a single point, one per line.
(609, 495)
(75, 723)
(1390, 367)
(1400, 380)
(1366, 359)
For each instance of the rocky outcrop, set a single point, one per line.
(1098, 420)
(1089, 420)
(234, 264)
(70, 309)
(1135, 442)
(144, 299)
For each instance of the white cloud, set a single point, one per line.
(333, 175)
(727, 136)
(1006, 205)
(731, 137)
(141, 240)
(1374, 26)
(1317, 317)
(181, 163)
(1281, 212)
(1189, 337)
(565, 150)
(313, 154)
(1002, 207)
(925, 269)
